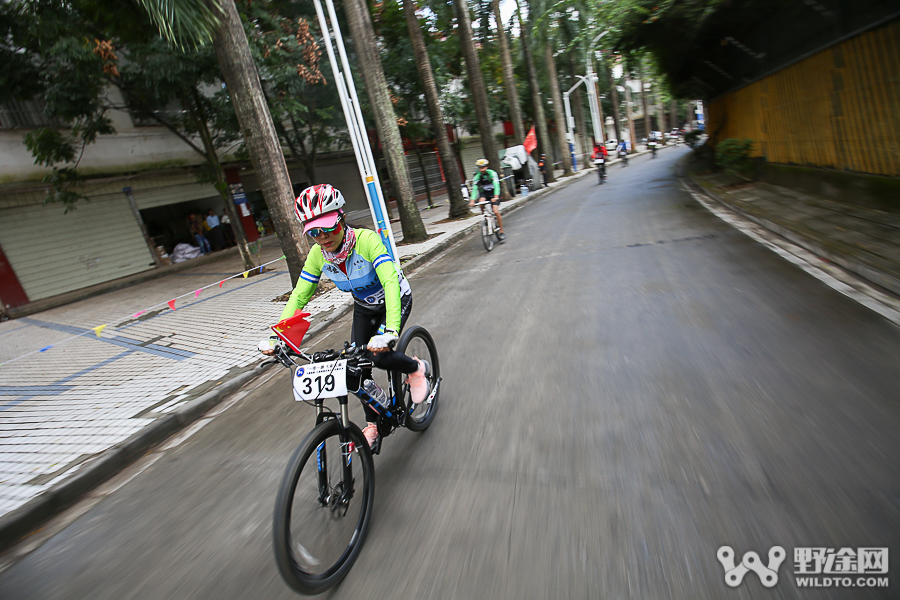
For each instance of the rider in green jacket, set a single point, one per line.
(486, 187)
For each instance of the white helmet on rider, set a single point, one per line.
(319, 206)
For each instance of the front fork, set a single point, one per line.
(347, 448)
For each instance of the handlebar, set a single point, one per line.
(356, 357)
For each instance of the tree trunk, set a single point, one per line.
(578, 109)
(221, 184)
(614, 95)
(631, 133)
(423, 171)
(385, 119)
(242, 80)
(541, 122)
(459, 206)
(509, 79)
(479, 92)
(644, 107)
(558, 113)
(661, 117)
(673, 113)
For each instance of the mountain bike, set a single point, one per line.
(489, 227)
(325, 501)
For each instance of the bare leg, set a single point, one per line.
(499, 218)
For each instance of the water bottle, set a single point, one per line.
(524, 190)
(372, 389)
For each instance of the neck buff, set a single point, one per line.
(341, 255)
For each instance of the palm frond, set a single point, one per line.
(184, 23)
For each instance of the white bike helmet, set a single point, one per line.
(317, 200)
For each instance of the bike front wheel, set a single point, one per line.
(486, 235)
(323, 511)
(417, 342)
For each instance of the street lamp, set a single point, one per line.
(570, 120)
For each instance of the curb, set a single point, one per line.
(856, 268)
(22, 521)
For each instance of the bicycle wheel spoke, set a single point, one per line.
(420, 345)
(321, 514)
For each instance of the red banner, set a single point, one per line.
(530, 141)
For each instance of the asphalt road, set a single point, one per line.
(629, 385)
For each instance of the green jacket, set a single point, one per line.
(369, 274)
(477, 179)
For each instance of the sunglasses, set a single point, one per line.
(317, 231)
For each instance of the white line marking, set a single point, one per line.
(191, 430)
(827, 273)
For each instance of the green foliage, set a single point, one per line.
(66, 54)
(303, 100)
(691, 137)
(684, 36)
(733, 154)
(49, 146)
(185, 23)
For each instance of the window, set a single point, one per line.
(25, 114)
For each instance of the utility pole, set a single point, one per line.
(628, 113)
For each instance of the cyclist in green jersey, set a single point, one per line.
(357, 262)
(486, 187)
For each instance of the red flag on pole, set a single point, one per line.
(530, 141)
(171, 303)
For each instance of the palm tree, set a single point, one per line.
(558, 115)
(458, 205)
(509, 80)
(540, 121)
(478, 90)
(195, 22)
(614, 96)
(364, 42)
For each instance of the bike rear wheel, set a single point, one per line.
(417, 342)
(486, 235)
(319, 528)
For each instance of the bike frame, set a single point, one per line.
(488, 215)
(394, 415)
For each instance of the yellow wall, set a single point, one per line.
(839, 108)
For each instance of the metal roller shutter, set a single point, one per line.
(53, 252)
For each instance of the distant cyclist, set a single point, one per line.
(486, 187)
(357, 262)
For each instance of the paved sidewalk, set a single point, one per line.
(862, 240)
(75, 412)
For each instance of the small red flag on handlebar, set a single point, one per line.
(292, 330)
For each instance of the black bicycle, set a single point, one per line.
(324, 504)
(601, 169)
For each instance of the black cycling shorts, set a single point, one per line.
(490, 198)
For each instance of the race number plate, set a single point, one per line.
(320, 380)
